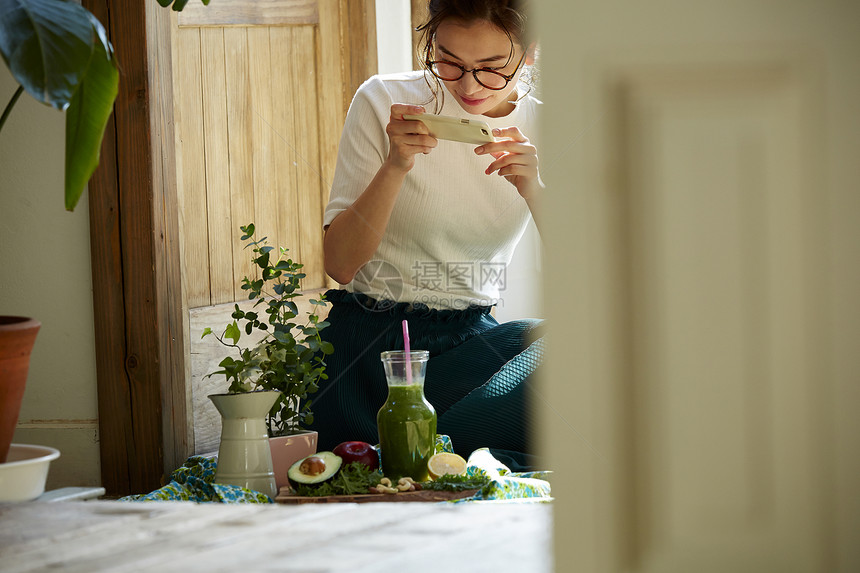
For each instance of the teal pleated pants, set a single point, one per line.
(478, 375)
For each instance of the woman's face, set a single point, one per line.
(479, 44)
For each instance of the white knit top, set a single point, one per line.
(453, 228)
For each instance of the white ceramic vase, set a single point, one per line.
(244, 456)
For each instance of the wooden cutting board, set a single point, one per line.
(286, 496)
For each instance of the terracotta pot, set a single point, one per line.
(287, 450)
(17, 336)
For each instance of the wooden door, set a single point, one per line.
(251, 101)
(701, 408)
(261, 90)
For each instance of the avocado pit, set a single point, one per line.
(312, 466)
(314, 469)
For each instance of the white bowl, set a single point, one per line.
(23, 476)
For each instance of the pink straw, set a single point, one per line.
(408, 354)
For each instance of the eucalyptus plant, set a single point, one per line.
(291, 356)
(60, 54)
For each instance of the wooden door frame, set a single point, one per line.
(139, 314)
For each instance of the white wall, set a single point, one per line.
(393, 35)
(521, 297)
(45, 262)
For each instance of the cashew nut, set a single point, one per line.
(406, 484)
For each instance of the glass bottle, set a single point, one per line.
(407, 421)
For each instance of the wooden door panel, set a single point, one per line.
(250, 13)
(251, 125)
(263, 164)
(285, 98)
(191, 167)
(216, 158)
(241, 148)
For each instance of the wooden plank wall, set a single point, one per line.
(248, 126)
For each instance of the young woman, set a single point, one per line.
(421, 229)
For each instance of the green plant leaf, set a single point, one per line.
(232, 332)
(206, 331)
(59, 52)
(48, 45)
(281, 337)
(263, 262)
(238, 313)
(86, 120)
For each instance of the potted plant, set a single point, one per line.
(289, 361)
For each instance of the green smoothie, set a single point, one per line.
(407, 432)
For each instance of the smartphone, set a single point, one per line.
(454, 128)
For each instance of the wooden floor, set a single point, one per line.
(117, 536)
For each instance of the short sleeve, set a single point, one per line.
(363, 147)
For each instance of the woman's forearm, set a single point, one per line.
(354, 235)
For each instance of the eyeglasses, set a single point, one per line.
(489, 78)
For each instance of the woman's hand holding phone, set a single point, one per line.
(515, 159)
(407, 138)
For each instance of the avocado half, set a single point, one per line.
(314, 469)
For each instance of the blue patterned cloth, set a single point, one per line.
(504, 484)
(194, 481)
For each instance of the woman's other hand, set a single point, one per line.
(407, 137)
(515, 159)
